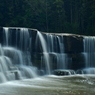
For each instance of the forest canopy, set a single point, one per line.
(59, 16)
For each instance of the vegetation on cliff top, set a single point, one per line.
(65, 16)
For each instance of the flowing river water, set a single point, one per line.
(20, 76)
(51, 85)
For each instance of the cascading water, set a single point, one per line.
(6, 35)
(16, 63)
(57, 51)
(89, 55)
(45, 52)
(62, 58)
(16, 53)
(52, 52)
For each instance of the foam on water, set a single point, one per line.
(15, 62)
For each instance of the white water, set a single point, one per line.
(12, 62)
(89, 55)
(56, 48)
(53, 51)
(61, 44)
(51, 85)
(17, 50)
(24, 38)
(45, 52)
(89, 51)
(89, 71)
(62, 58)
(15, 63)
(6, 36)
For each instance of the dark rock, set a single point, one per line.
(77, 61)
(73, 47)
(62, 72)
(41, 72)
(17, 76)
(89, 70)
(73, 44)
(1, 35)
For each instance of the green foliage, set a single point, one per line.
(65, 16)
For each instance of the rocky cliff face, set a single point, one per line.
(73, 43)
(73, 47)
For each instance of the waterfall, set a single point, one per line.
(61, 56)
(15, 58)
(52, 49)
(45, 52)
(89, 55)
(6, 35)
(57, 50)
(21, 59)
(89, 51)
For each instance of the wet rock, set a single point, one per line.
(73, 47)
(41, 72)
(86, 71)
(73, 44)
(62, 72)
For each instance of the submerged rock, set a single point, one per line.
(61, 72)
(86, 71)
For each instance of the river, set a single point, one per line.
(51, 85)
